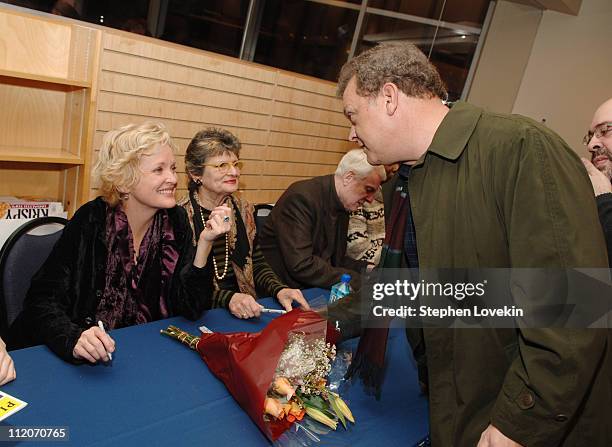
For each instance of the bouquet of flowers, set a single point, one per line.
(299, 386)
(277, 375)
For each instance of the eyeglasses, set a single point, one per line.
(600, 131)
(226, 166)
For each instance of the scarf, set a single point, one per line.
(369, 360)
(241, 238)
(136, 293)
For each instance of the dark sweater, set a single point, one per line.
(64, 295)
(266, 282)
(604, 209)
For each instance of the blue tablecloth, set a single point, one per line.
(159, 392)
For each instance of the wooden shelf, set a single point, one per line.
(48, 83)
(18, 76)
(39, 155)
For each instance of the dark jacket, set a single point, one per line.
(304, 238)
(604, 208)
(64, 295)
(502, 191)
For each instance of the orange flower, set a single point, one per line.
(283, 387)
(286, 409)
(273, 408)
(295, 409)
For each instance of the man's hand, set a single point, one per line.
(242, 305)
(286, 296)
(93, 345)
(492, 437)
(601, 183)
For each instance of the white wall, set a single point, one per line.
(569, 72)
(504, 56)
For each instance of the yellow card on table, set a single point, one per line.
(9, 405)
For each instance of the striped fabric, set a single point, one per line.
(266, 281)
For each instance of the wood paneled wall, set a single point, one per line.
(291, 126)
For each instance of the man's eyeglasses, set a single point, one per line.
(600, 131)
(226, 166)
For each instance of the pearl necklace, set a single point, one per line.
(219, 277)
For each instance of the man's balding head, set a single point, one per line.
(599, 138)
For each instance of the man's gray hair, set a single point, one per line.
(401, 63)
(356, 161)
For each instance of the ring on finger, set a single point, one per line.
(226, 219)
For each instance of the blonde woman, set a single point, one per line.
(126, 257)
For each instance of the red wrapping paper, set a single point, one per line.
(246, 362)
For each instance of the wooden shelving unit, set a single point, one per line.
(39, 155)
(48, 75)
(66, 83)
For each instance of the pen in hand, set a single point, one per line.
(272, 311)
(101, 326)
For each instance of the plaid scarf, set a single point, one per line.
(398, 241)
(369, 361)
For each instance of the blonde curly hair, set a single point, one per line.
(117, 167)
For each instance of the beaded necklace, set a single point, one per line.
(219, 277)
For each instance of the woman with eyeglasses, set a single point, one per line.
(241, 273)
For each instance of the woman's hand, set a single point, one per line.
(218, 223)
(7, 367)
(93, 345)
(286, 296)
(242, 305)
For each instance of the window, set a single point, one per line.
(446, 31)
(209, 25)
(465, 11)
(306, 37)
(312, 37)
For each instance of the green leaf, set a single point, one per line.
(315, 401)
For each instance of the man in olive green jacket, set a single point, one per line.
(489, 191)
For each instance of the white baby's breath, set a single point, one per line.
(306, 363)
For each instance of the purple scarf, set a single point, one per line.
(136, 293)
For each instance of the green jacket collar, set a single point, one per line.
(455, 131)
